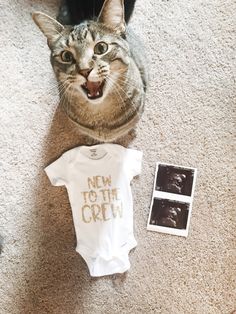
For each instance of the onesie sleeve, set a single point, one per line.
(57, 171)
(133, 162)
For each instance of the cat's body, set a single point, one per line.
(101, 74)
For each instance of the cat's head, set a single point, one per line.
(89, 57)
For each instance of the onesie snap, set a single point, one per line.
(97, 179)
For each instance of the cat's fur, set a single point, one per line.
(102, 93)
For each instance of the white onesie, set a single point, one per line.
(97, 179)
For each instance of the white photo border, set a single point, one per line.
(173, 197)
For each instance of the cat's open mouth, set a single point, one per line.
(93, 90)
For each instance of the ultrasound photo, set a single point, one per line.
(174, 179)
(172, 199)
(169, 213)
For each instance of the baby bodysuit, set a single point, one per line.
(97, 179)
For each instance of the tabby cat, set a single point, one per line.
(100, 70)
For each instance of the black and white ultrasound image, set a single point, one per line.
(174, 180)
(168, 213)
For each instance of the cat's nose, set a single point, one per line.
(85, 72)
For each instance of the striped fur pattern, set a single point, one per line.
(101, 79)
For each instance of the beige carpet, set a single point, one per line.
(189, 120)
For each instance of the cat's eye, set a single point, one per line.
(67, 56)
(100, 48)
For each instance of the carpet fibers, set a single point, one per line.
(189, 120)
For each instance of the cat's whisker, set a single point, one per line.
(51, 96)
(64, 90)
(117, 85)
(117, 93)
(120, 78)
(70, 98)
(124, 73)
(120, 88)
(127, 83)
(71, 94)
(110, 84)
(52, 90)
(109, 81)
(89, 102)
(57, 88)
(125, 93)
(65, 102)
(61, 87)
(122, 99)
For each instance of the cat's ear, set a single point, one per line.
(112, 15)
(50, 27)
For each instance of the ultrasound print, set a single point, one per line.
(174, 180)
(169, 213)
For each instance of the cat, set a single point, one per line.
(100, 69)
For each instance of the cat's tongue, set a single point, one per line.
(94, 89)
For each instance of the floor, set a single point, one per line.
(189, 120)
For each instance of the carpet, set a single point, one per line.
(189, 120)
